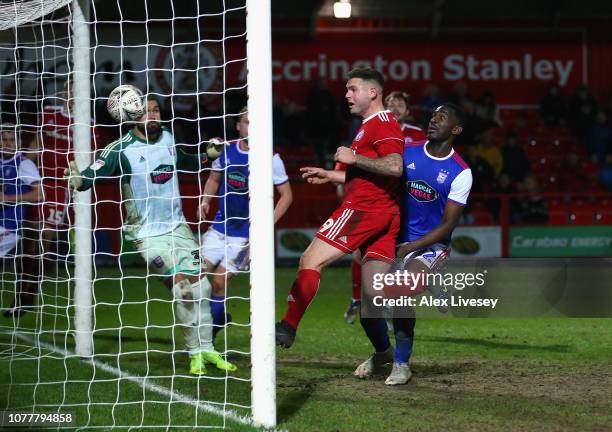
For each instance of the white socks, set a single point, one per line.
(193, 312)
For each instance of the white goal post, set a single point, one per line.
(263, 349)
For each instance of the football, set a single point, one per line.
(125, 103)
(215, 148)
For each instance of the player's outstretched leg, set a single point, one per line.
(317, 256)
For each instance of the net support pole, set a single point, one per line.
(261, 192)
(81, 114)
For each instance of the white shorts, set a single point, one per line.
(8, 241)
(229, 252)
(171, 253)
(432, 256)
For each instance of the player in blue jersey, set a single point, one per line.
(225, 246)
(21, 188)
(437, 183)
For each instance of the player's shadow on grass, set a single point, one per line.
(491, 344)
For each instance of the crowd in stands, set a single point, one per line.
(564, 147)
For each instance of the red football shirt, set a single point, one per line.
(378, 136)
(413, 133)
(56, 143)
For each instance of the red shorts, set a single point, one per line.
(55, 202)
(373, 234)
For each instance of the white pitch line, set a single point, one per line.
(174, 395)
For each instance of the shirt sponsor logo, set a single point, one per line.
(162, 174)
(421, 191)
(237, 181)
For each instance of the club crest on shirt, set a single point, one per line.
(442, 176)
(360, 135)
(421, 191)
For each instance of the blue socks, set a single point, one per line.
(217, 310)
(404, 336)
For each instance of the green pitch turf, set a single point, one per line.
(527, 374)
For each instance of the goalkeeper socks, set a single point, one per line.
(217, 309)
(376, 330)
(356, 276)
(404, 336)
(193, 311)
(302, 293)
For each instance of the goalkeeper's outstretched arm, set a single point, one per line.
(106, 164)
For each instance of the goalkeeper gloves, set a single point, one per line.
(214, 148)
(73, 175)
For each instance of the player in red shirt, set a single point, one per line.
(53, 145)
(368, 218)
(398, 102)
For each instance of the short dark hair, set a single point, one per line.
(457, 112)
(367, 74)
(154, 97)
(397, 94)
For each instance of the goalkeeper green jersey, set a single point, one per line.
(148, 172)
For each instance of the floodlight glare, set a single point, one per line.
(342, 9)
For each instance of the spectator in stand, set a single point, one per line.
(600, 137)
(515, 161)
(482, 173)
(572, 175)
(504, 186)
(582, 112)
(553, 108)
(487, 110)
(531, 209)
(488, 150)
(460, 94)
(430, 101)
(471, 126)
(605, 175)
(321, 113)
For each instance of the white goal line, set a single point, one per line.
(142, 382)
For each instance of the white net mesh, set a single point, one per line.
(191, 58)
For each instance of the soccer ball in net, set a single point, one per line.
(125, 103)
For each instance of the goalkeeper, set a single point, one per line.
(147, 161)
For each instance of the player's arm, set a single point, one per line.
(106, 163)
(450, 219)
(186, 161)
(211, 187)
(317, 175)
(281, 182)
(457, 198)
(284, 201)
(28, 174)
(388, 164)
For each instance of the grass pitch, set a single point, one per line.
(527, 374)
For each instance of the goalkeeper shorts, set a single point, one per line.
(171, 253)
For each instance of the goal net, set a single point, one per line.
(108, 306)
